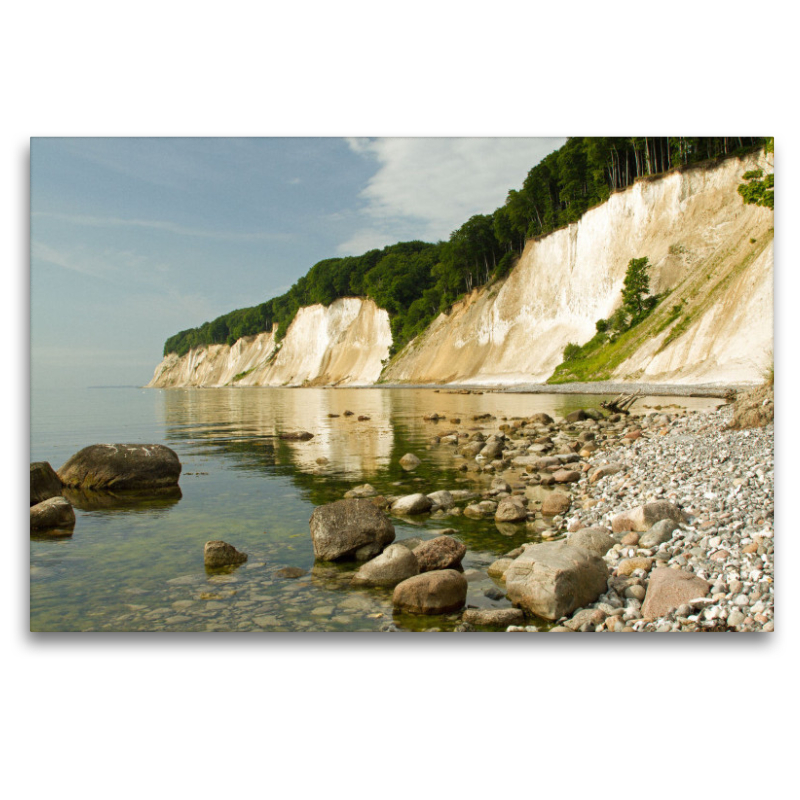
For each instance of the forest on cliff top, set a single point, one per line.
(415, 281)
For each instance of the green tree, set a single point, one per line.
(636, 287)
(759, 189)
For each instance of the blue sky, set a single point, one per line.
(135, 239)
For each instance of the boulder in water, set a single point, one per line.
(122, 467)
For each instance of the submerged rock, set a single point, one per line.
(53, 513)
(291, 572)
(437, 592)
(44, 482)
(497, 569)
(221, 554)
(409, 461)
(365, 490)
(494, 617)
(354, 529)
(122, 466)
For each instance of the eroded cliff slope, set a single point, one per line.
(343, 344)
(710, 253)
(711, 250)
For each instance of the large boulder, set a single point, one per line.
(540, 419)
(643, 518)
(437, 592)
(597, 540)
(122, 466)
(55, 513)
(350, 529)
(669, 588)
(44, 482)
(221, 554)
(443, 552)
(412, 504)
(552, 579)
(395, 564)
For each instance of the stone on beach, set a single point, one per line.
(350, 529)
(221, 554)
(55, 513)
(660, 532)
(437, 592)
(122, 466)
(395, 564)
(670, 588)
(606, 469)
(597, 540)
(552, 579)
(642, 518)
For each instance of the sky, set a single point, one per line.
(135, 239)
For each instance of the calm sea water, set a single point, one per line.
(139, 566)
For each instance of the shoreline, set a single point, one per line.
(596, 387)
(717, 485)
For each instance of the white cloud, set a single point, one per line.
(427, 187)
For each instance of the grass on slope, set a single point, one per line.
(686, 304)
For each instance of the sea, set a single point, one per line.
(137, 564)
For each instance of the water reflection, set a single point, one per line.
(152, 500)
(249, 421)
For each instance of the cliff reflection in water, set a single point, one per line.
(250, 421)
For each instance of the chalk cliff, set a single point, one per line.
(344, 344)
(712, 253)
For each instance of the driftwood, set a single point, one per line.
(621, 404)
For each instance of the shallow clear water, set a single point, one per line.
(139, 566)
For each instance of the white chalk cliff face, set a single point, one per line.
(344, 344)
(709, 250)
(696, 231)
